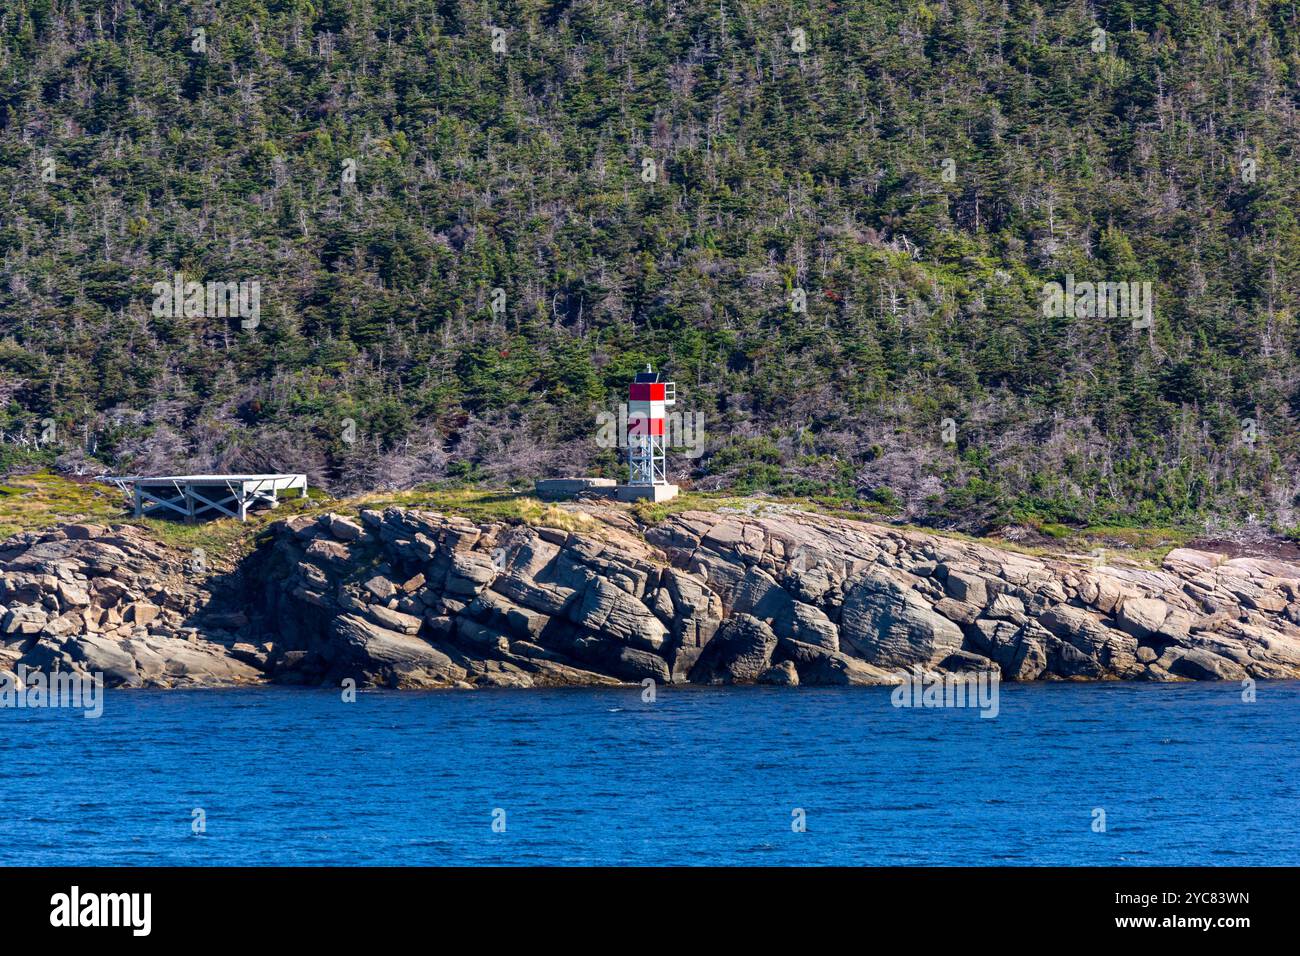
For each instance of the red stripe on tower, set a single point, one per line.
(646, 391)
(644, 425)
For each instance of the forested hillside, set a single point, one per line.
(665, 182)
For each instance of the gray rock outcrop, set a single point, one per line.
(94, 599)
(412, 599)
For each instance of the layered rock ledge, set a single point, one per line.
(93, 599)
(414, 599)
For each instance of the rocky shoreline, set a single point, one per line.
(412, 599)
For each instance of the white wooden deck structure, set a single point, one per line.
(191, 497)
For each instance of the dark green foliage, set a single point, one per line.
(821, 171)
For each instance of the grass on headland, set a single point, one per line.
(43, 499)
(1144, 546)
(477, 504)
(38, 500)
(223, 540)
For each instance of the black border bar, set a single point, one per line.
(333, 905)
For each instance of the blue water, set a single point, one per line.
(1186, 774)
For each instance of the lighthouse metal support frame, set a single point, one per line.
(647, 460)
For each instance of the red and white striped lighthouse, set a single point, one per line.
(648, 399)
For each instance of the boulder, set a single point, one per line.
(372, 654)
(177, 662)
(738, 654)
(840, 670)
(140, 612)
(84, 532)
(334, 554)
(1200, 664)
(87, 654)
(484, 638)
(300, 526)
(612, 611)
(890, 625)
(381, 587)
(148, 661)
(1180, 559)
(23, 620)
(545, 599)
(1007, 607)
(1101, 591)
(782, 674)
(636, 665)
(106, 591)
(956, 611)
(1142, 617)
(345, 529)
(1113, 650)
(1021, 651)
(72, 595)
(393, 620)
(759, 595)
(967, 587)
(960, 662)
(469, 572)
